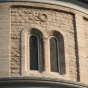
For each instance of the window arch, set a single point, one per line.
(57, 58)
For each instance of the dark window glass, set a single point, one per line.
(53, 54)
(33, 52)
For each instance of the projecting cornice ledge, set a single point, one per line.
(81, 5)
(8, 82)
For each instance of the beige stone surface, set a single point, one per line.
(4, 40)
(17, 20)
(55, 20)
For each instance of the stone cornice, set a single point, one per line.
(74, 4)
(44, 81)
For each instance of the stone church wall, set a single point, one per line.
(72, 24)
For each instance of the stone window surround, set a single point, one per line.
(24, 61)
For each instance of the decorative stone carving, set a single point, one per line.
(43, 17)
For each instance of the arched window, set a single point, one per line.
(57, 56)
(34, 52)
(54, 54)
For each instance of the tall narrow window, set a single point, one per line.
(54, 54)
(34, 52)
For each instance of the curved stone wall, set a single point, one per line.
(16, 21)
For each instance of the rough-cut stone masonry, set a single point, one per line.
(21, 17)
(18, 18)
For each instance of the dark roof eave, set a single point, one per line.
(83, 1)
(39, 81)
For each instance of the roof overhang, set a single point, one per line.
(81, 5)
(35, 82)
